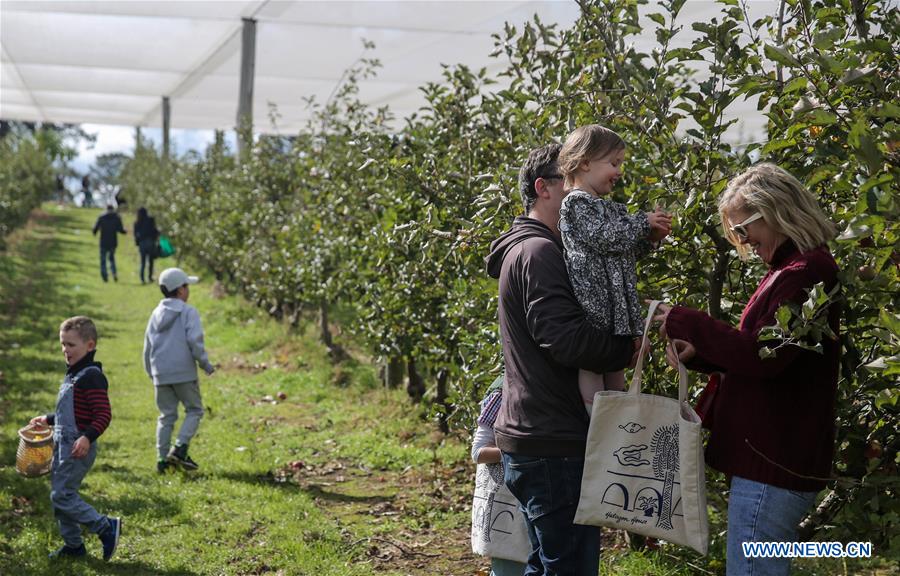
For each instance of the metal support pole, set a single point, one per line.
(166, 115)
(245, 96)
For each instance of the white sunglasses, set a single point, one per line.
(741, 229)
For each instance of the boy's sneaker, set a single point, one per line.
(69, 552)
(162, 466)
(110, 537)
(178, 455)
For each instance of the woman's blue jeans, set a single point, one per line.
(548, 490)
(760, 512)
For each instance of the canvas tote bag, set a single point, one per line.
(644, 470)
(498, 526)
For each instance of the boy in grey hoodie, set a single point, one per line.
(173, 347)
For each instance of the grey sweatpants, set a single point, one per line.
(168, 397)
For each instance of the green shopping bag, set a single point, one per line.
(164, 247)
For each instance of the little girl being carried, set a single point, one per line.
(603, 242)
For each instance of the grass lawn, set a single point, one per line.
(305, 468)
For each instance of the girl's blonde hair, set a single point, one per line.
(582, 145)
(784, 203)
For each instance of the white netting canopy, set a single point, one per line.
(111, 62)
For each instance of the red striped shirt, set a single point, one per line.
(93, 412)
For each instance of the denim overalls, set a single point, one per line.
(68, 472)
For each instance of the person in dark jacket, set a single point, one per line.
(109, 225)
(146, 237)
(542, 426)
(772, 418)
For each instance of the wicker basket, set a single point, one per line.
(35, 453)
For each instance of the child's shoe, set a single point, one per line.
(69, 552)
(178, 455)
(162, 466)
(110, 537)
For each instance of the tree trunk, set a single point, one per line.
(717, 284)
(415, 386)
(334, 350)
(859, 16)
(717, 275)
(823, 514)
(393, 372)
(441, 400)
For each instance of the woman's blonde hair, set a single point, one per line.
(785, 204)
(583, 144)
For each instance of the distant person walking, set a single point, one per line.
(109, 225)
(146, 236)
(61, 192)
(88, 200)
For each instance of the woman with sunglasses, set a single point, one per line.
(772, 432)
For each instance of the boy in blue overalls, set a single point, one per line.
(82, 414)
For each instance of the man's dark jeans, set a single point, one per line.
(548, 491)
(104, 254)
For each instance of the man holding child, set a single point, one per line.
(542, 425)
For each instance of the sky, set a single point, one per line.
(121, 139)
(111, 138)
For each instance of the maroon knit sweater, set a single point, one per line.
(774, 418)
(92, 409)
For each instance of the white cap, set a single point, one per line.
(173, 278)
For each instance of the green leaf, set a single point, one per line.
(876, 181)
(820, 117)
(856, 75)
(704, 27)
(796, 84)
(770, 333)
(825, 40)
(890, 365)
(821, 174)
(766, 352)
(776, 145)
(888, 397)
(890, 321)
(780, 54)
(683, 54)
(830, 13)
(658, 18)
(783, 315)
(855, 231)
(886, 110)
(878, 45)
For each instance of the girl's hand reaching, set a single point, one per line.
(660, 224)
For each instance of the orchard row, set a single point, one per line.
(384, 223)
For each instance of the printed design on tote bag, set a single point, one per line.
(631, 455)
(632, 427)
(493, 514)
(655, 493)
(665, 464)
